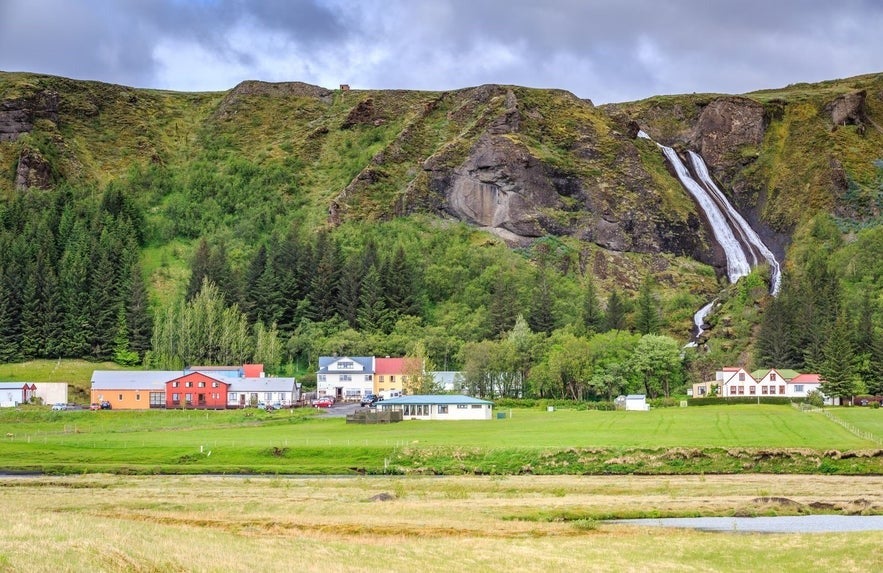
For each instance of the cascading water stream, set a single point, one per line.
(732, 232)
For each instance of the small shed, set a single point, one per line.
(637, 402)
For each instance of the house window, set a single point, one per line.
(188, 398)
(392, 378)
(752, 390)
(732, 390)
(321, 377)
(741, 390)
(461, 406)
(345, 365)
(773, 376)
(781, 389)
(368, 377)
(188, 384)
(121, 397)
(381, 379)
(476, 406)
(268, 396)
(201, 384)
(176, 398)
(741, 377)
(216, 384)
(442, 408)
(346, 378)
(763, 389)
(798, 387)
(174, 384)
(137, 397)
(157, 399)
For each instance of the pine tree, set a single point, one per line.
(616, 311)
(373, 315)
(122, 352)
(874, 379)
(647, 318)
(349, 292)
(592, 314)
(838, 367)
(199, 269)
(775, 346)
(541, 318)
(138, 317)
(503, 306)
(323, 286)
(402, 285)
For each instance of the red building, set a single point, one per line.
(196, 390)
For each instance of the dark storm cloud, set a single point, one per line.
(607, 50)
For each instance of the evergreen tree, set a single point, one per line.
(541, 318)
(122, 352)
(323, 286)
(138, 317)
(647, 318)
(402, 285)
(592, 313)
(503, 306)
(874, 379)
(199, 269)
(616, 311)
(775, 346)
(251, 296)
(350, 289)
(52, 315)
(838, 368)
(373, 314)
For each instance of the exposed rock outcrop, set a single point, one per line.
(848, 109)
(727, 124)
(33, 171)
(17, 116)
(278, 89)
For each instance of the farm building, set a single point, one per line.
(198, 387)
(439, 407)
(735, 382)
(344, 377)
(14, 393)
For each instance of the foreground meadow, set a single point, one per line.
(467, 523)
(712, 439)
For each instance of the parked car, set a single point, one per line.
(59, 406)
(368, 400)
(267, 407)
(323, 403)
(105, 405)
(94, 406)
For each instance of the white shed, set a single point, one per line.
(52, 392)
(637, 402)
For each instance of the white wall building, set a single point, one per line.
(280, 392)
(345, 378)
(52, 392)
(439, 407)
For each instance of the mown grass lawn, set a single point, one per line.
(867, 419)
(297, 441)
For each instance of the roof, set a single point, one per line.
(806, 379)
(262, 384)
(785, 373)
(366, 362)
(434, 399)
(636, 397)
(731, 368)
(133, 379)
(252, 370)
(15, 385)
(389, 365)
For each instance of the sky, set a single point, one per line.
(604, 50)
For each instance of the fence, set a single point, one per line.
(864, 434)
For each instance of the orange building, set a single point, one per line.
(389, 376)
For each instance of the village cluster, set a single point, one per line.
(381, 382)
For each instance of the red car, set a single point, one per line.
(323, 403)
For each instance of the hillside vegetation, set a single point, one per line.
(392, 222)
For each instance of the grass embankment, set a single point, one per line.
(548, 523)
(712, 439)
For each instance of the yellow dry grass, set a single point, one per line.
(171, 523)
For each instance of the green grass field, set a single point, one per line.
(297, 441)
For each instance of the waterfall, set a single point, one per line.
(731, 231)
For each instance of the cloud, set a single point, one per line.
(607, 50)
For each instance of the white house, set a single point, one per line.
(345, 378)
(735, 382)
(242, 392)
(439, 407)
(449, 380)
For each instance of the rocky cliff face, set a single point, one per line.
(17, 116)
